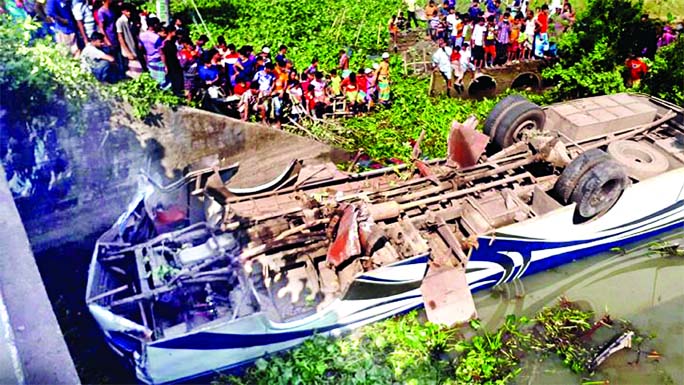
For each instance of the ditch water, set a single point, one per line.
(635, 285)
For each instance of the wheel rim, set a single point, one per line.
(523, 128)
(602, 199)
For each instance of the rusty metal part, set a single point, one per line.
(425, 171)
(447, 297)
(384, 210)
(370, 236)
(346, 244)
(449, 239)
(465, 145)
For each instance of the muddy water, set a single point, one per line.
(636, 285)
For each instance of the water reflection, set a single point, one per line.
(636, 284)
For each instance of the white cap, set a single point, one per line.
(266, 50)
(368, 70)
(385, 55)
(376, 66)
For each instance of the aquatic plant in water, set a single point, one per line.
(409, 351)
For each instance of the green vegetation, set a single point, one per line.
(309, 28)
(409, 351)
(593, 53)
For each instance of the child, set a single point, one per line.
(393, 30)
(401, 22)
(456, 68)
(466, 64)
(313, 68)
(490, 42)
(335, 83)
(434, 25)
(524, 43)
(248, 100)
(514, 47)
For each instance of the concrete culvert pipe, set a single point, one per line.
(482, 86)
(526, 81)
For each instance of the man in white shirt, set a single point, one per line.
(411, 8)
(441, 60)
(83, 14)
(93, 59)
(478, 42)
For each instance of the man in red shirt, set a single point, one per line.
(542, 24)
(637, 69)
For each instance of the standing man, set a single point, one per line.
(411, 9)
(477, 42)
(174, 71)
(60, 12)
(83, 14)
(127, 40)
(441, 60)
(503, 39)
(106, 25)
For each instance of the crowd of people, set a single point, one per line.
(495, 36)
(115, 41)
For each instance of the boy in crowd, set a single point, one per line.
(434, 25)
(335, 83)
(530, 27)
(474, 11)
(637, 69)
(514, 47)
(490, 42)
(542, 26)
(282, 53)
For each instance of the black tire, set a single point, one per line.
(599, 188)
(567, 182)
(493, 118)
(520, 117)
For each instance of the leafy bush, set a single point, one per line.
(665, 78)
(142, 94)
(594, 73)
(593, 53)
(309, 28)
